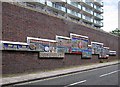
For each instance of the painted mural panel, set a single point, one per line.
(76, 44)
(105, 52)
(9, 45)
(87, 53)
(79, 43)
(63, 44)
(97, 48)
(42, 45)
(112, 53)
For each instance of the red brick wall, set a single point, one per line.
(28, 61)
(22, 62)
(18, 23)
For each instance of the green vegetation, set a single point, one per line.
(116, 32)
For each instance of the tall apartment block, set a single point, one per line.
(83, 11)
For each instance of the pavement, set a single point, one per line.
(44, 75)
(103, 77)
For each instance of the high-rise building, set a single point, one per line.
(84, 11)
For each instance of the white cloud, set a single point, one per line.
(110, 15)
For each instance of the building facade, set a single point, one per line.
(86, 12)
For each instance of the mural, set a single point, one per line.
(9, 45)
(79, 43)
(41, 45)
(63, 44)
(105, 52)
(87, 53)
(76, 44)
(97, 48)
(112, 53)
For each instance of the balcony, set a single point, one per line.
(87, 10)
(90, 4)
(37, 2)
(98, 9)
(87, 3)
(40, 1)
(98, 16)
(60, 0)
(49, 3)
(59, 7)
(75, 4)
(87, 19)
(73, 13)
(98, 23)
(56, 6)
(98, 2)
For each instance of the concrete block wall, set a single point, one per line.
(19, 22)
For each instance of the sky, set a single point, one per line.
(110, 15)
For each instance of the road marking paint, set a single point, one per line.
(62, 76)
(76, 83)
(109, 73)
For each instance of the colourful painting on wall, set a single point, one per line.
(105, 52)
(76, 44)
(87, 53)
(79, 43)
(112, 53)
(97, 48)
(63, 44)
(42, 45)
(10, 45)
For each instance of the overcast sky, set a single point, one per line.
(110, 15)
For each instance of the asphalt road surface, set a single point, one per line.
(101, 76)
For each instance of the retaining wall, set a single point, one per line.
(18, 23)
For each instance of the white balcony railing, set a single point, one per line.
(87, 10)
(87, 18)
(40, 1)
(59, 7)
(98, 23)
(98, 8)
(99, 16)
(73, 13)
(49, 3)
(89, 3)
(84, 1)
(75, 4)
(99, 1)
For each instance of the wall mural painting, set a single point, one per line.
(76, 44)
(112, 53)
(97, 48)
(41, 45)
(105, 52)
(63, 44)
(87, 53)
(79, 43)
(9, 45)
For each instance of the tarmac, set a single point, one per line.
(43, 75)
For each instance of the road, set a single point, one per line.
(101, 76)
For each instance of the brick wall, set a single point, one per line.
(23, 62)
(18, 23)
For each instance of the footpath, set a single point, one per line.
(43, 75)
